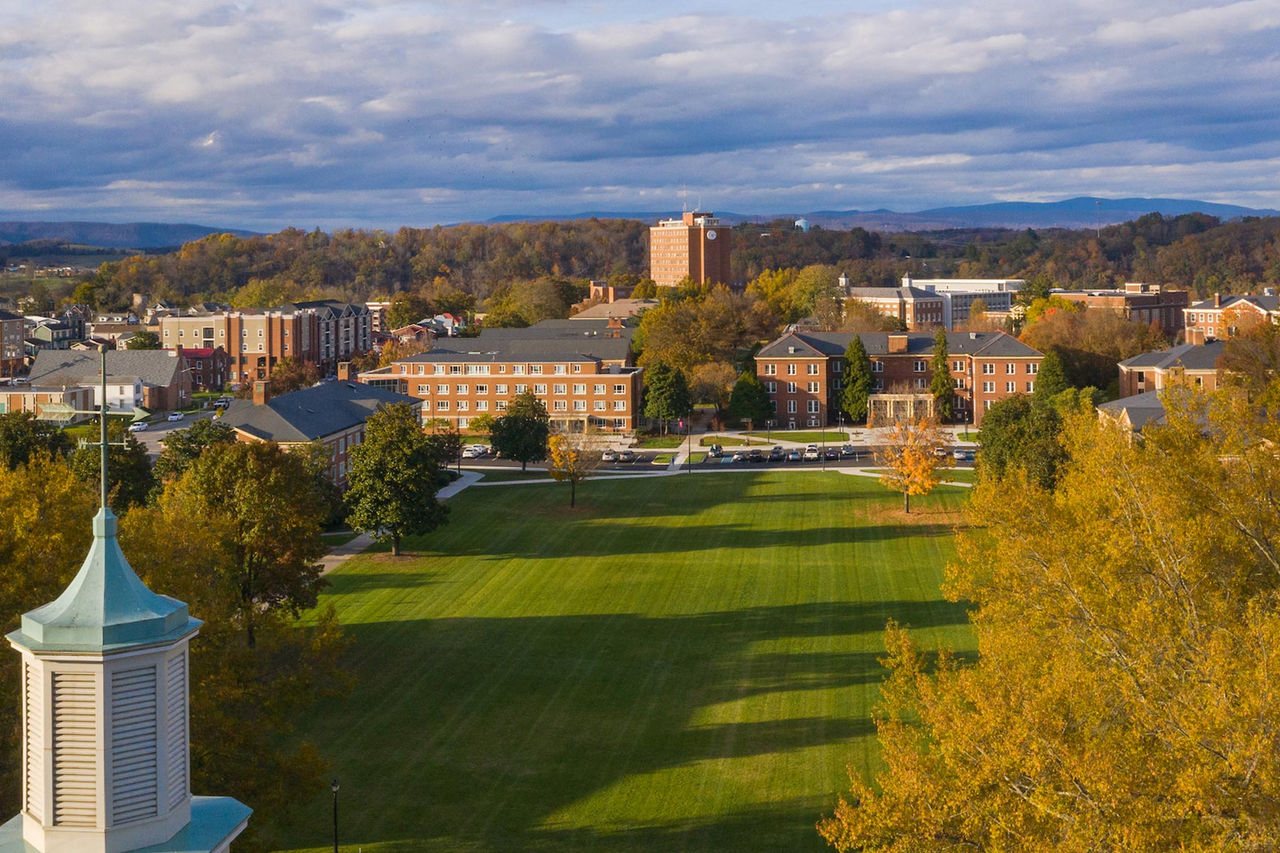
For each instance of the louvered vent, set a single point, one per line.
(176, 724)
(75, 749)
(33, 758)
(134, 769)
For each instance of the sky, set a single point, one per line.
(264, 114)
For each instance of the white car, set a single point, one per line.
(176, 416)
(609, 456)
(138, 426)
(475, 451)
(811, 453)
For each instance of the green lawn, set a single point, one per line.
(831, 436)
(340, 537)
(659, 442)
(730, 441)
(680, 663)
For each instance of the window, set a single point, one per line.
(462, 405)
(423, 388)
(791, 370)
(462, 423)
(920, 383)
(837, 366)
(540, 390)
(559, 406)
(442, 389)
(791, 387)
(259, 333)
(1141, 377)
(520, 389)
(771, 387)
(166, 334)
(957, 366)
(957, 382)
(579, 389)
(500, 389)
(920, 366)
(877, 367)
(598, 405)
(771, 370)
(813, 369)
(988, 368)
(988, 387)
(462, 389)
(1033, 368)
(455, 370)
(535, 369)
(1011, 387)
(517, 369)
(619, 389)
(1010, 368)
(577, 368)
(558, 369)
(1031, 387)
(791, 407)
(813, 387)
(482, 405)
(619, 423)
(442, 405)
(440, 368)
(179, 335)
(501, 405)
(619, 405)
(813, 407)
(597, 389)
(478, 369)
(482, 389)
(559, 388)
(579, 405)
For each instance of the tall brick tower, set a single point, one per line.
(695, 245)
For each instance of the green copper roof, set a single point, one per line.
(106, 606)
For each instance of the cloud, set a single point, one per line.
(379, 113)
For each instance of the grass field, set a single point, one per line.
(680, 663)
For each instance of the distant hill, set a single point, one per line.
(1082, 212)
(133, 235)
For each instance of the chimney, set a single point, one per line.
(261, 392)
(614, 329)
(897, 343)
(1217, 300)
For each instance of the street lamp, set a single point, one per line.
(333, 786)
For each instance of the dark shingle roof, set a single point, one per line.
(814, 344)
(550, 340)
(1266, 302)
(1141, 409)
(78, 367)
(1187, 356)
(311, 413)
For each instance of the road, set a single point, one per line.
(153, 435)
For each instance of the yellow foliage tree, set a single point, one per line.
(1124, 694)
(913, 454)
(571, 458)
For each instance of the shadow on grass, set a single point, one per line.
(493, 733)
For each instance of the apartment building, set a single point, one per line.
(254, 341)
(696, 246)
(918, 309)
(13, 329)
(1223, 317)
(1136, 301)
(342, 330)
(582, 370)
(802, 371)
(1194, 365)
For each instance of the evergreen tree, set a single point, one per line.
(857, 380)
(1051, 380)
(522, 432)
(666, 394)
(750, 400)
(940, 385)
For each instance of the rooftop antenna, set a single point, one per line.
(1098, 231)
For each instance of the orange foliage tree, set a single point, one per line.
(913, 455)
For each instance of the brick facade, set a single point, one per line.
(696, 245)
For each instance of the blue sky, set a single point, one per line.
(269, 113)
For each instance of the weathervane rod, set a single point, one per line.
(102, 419)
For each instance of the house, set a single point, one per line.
(583, 371)
(1195, 365)
(330, 413)
(153, 379)
(802, 371)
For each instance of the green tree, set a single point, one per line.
(750, 400)
(521, 433)
(184, 446)
(857, 380)
(22, 435)
(646, 289)
(130, 481)
(666, 394)
(941, 386)
(143, 340)
(1020, 433)
(1051, 379)
(393, 478)
(274, 508)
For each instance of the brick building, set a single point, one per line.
(330, 413)
(802, 371)
(1194, 365)
(155, 379)
(959, 294)
(582, 370)
(696, 245)
(254, 341)
(12, 343)
(209, 368)
(1223, 317)
(917, 309)
(1138, 302)
(342, 330)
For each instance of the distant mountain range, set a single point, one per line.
(133, 235)
(1083, 212)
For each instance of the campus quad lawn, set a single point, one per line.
(681, 663)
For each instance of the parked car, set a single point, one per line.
(138, 426)
(609, 455)
(830, 453)
(963, 455)
(847, 451)
(811, 453)
(475, 451)
(793, 455)
(627, 456)
(176, 416)
(777, 454)
(715, 451)
(739, 456)
(755, 454)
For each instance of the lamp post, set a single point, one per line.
(334, 787)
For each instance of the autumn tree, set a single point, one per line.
(940, 385)
(571, 458)
(522, 431)
(1122, 693)
(857, 381)
(273, 508)
(750, 401)
(713, 383)
(913, 455)
(291, 374)
(393, 478)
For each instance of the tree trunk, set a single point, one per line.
(573, 493)
(395, 544)
(524, 464)
(906, 502)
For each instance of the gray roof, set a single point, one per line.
(1265, 302)
(80, 367)
(327, 308)
(814, 344)
(1141, 409)
(550, 340)
(1186, 356)
(311, 413)
(892, 293)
